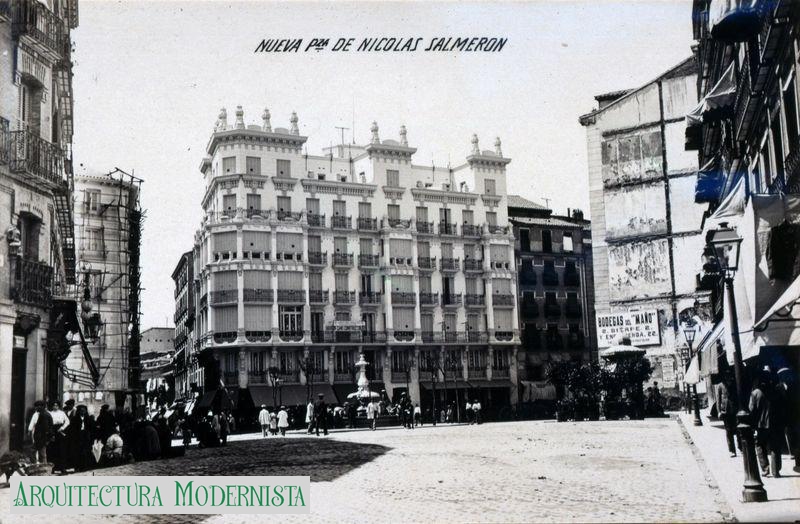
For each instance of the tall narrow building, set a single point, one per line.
(304, 263)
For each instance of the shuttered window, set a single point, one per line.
(340, 208)
(224, 280)
(365, 246)
(502, 286)
(490, 186)
(284, 203)
(394, 211)
(224, 242)
(340, 244)
(498, 253)
(424, 249)
(444, 215)
(315, 281)
(402, 283)
(425, 284)
(229, 165)
(257, 317)
(253, 165)
(502, 319)
(229, 203)
(467, 217)
(257, 279)
(312, 205)
(400, 248)
(227, 318)
(392, 178)
(254, 202)
(341, 280)
(256, 241)
(403, 319)
(491, 218)
(284, 168)
(473, 322)
(314, 244)
(422, 214)
(447, 250)
(290, 280)
(426, 323)
(472, 288)
(364, 210)
(290, 243)
(450, 323)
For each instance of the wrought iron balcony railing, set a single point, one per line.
(315, 220)
(316, 258)
(426, 262)
(34, 19)
(472, 299)
(503, 299)
(343, 259)
(498, 230)
(428, 299)
(340, 222)
(344, 297)
(425, 227)
(451, 299)
(449, 264)
(226, 296)
(368, 260)
(472, 264)
(318, 296)
(291, 335)
(399, 222)
(264, 296)
(403, 298)
(291, 295)
(258, 336)
(469, 230)
(504, 335)
(446, 228)
(289, 216)
(404, 336)
(33, 283)
(428, 336)
(32, 156)
(224, 337)
(367, 224)
(369, 298)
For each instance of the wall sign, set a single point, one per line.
(640, 326)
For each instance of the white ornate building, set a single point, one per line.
(303, 262)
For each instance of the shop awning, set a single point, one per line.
(733, 20)
(718, 102)
(782, 308)
(692, 375)
(710, 339)
(216, 400)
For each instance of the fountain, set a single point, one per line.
(363, 394)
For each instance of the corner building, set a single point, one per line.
(308, 261)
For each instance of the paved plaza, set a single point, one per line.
(521, 471)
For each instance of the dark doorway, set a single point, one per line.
(17, 415)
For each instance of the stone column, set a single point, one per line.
(275, 323)
(331, 365)
(387, 306)
(240, 327)
(306, 305)
(489, 308)
(417, 312)
(210, 310)
(387, 373)
(6, 354)
(489, 361)
(413, 379)
(301, 373)
(244, 368)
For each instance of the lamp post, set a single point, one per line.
(689, 333)
(726, 245)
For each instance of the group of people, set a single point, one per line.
(273, 421)
(211, 430)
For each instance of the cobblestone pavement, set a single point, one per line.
(522, 471)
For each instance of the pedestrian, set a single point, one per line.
(81, 430)
(224, 427)
(321, 414)
(447, 416)
(113, 453)
(263, 420)
(309, 417)
(41, 429)
(417, 415)
(476, 412)
(215, 423)
(283, 420)
(787, 380)
(57, 449)
(106, 423)
(726, 407)
(762, 414)
(352, 411)
(468, 412)
(273, 423)
(372, 414)
(69, 407)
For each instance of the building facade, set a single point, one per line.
(107, 227)
(556, 288)
(746, 133)
(158, 340)
(37, 255)
(646, 227)
(188, 373)
(305, 262)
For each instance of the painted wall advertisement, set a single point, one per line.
(639, 326)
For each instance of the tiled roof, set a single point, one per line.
(541, 221)
(523, 203)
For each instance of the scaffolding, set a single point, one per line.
(109, 244)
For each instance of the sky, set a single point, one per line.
(150, 78)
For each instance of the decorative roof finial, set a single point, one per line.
(475, 149)
(293, 120)
(497, 146)
(222, 120)
(239, 117)
(265, 118)
(374, 129)
(403, 137)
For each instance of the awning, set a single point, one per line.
(532, 391)
(451, 384)
(711, 337)
(718, 102)
(489, 384)
(733, 20)
(692, 375)
(732, 206)
(216, 400)
(782, 308)
(290, 395)
(710, 180)
(622, 350)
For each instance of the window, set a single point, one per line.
(444, 215)
(341, 282)
(92, 200)
(253, 202)
(422, 214)
(291, 319)
(286, 362)
(547, 241)
(229, 165)
(94, 239)
(399, 361)
(500, 359)
(491, 218)
(366, 282)
(342, 362)
(229, 204)
(524, 240)
(392, 178)
(467, 217)
(284, 203)
(365, 246)
(364, 210)
(253, 165)
(342, 316)
(489, 186)
(394, 212)
(312, 206)
(340, 245)
(339, 208)
(568, 247)
(284, 168)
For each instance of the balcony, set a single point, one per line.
(472, 299)
(45, 29)
(342, 260)
(428, 299)
(367, 224)
(340, 222)
(291, 295)
(315, 220)
(289, 216)
(426, 263)
(399, 377)
(428, 336)
(231, 378)
(368, 260)
(468, 230)
(258, 336)
(372, 337)
(449, 264)
(573, 310)
(369, 298)
(504, 336)
(33, 157)
(472, 264)
(479, 373)
(401, 261)
(500, 372)
(498, 230)
(318, 336)
(404, 336)
(224, 337)
(344, 297)
(227, 296)
(316, 258)
(451, 299)
(265, 296)
(476, 336)
(446, 228)
(403, 298)
(33, 283)
(425, 227)
(502, 299)
(552, 310)
(451, 336)
(317, 296)
(403, 223)
(291, 335)
(258, 377)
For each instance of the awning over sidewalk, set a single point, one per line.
(707, 350)
(216, 400)
(782, 308)
(718, 102)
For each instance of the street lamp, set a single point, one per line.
(726, 245)
(689, 333)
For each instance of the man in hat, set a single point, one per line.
(41, 429)
(283, 420)
(263, 420)
(321, 414)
